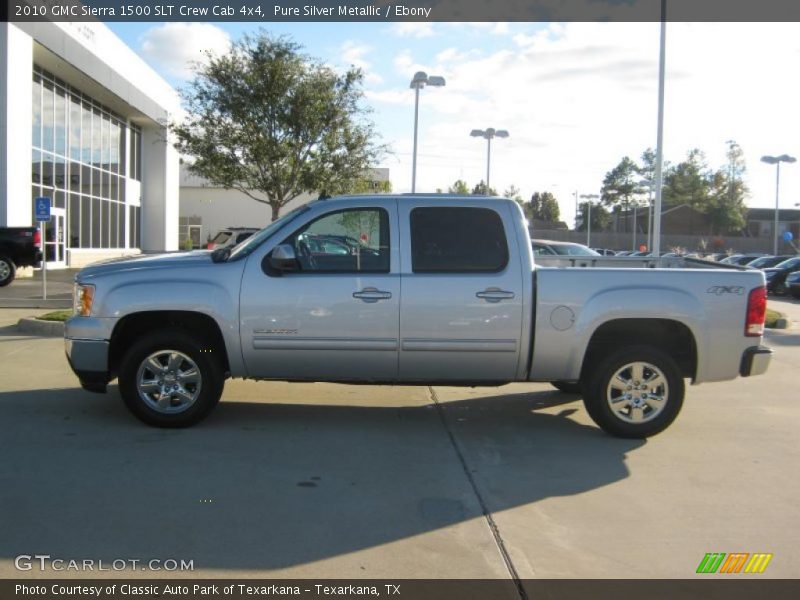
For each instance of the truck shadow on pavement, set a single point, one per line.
(271, 486)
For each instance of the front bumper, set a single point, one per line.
(755, 361)
(89, 361)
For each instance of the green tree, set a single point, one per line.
(481, 190)
(600, 217)
(688, 182)
(459, 187)
(726, 209)
(273, 123)
(543, 206)
(513, 193)
(365, 185)
(621, 186)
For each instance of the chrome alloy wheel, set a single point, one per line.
(637, 393)
(168, 381)
(5, 270)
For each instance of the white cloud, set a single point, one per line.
(413, 29)
(353, 54)
(578, 97)
(175, 46)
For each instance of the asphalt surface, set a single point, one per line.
(317, 480)
(29, 292)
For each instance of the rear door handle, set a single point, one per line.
(372, 294)
(495, 295)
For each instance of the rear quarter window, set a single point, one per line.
(457, 240)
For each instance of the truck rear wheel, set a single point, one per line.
(170, 378)
(7, 271)
(635, 392)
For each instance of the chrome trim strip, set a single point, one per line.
(281, 343)
(440, 345)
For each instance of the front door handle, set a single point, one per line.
(371, 294)
(495, 295)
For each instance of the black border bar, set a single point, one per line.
(266, 11)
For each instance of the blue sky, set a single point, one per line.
(575, 97)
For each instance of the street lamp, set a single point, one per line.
(777, 160)
(488, 134)
(420, 80)
(589, 198)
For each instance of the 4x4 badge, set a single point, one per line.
(725, 289)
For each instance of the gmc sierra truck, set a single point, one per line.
(409, 289)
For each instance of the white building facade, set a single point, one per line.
(83, 121)
(206, 208)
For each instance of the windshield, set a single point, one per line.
(789, 263)
(573, 250)
(766, 261)
(253, 242)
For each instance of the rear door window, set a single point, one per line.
(457, 240)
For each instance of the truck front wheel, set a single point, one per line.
(635, 392)
(170, 378)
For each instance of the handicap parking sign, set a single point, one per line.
(42, 208)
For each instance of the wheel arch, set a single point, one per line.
(668, 335)
(133, 326)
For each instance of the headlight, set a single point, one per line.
(83, 296)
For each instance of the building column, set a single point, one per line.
(16, 115)
(160, 186)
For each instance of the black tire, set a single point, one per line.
(619, 421)
(568, 387)
(194, 350)
(8, 271)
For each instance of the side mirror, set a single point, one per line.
(282, 258)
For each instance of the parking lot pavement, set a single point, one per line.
(27, 291)
(316, 480)
(789, 307)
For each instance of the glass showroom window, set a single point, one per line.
(78, 160)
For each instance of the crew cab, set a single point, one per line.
(19, 247)
(434, 289)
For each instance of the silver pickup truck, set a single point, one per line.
(409, 289)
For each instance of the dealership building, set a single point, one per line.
(83, 122)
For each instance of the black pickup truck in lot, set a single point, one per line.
(19, 247)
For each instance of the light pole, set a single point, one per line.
(649, 184)
(488, 134)
(777, 160)
(589, 198)
(420, 80)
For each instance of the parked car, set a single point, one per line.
(455, 299)
(742, 259)
(552, 248)
(623, 253)
(776, 276)
(605, 251)
(230, 237)
(19, 247)
(793, 284)
(765, 262)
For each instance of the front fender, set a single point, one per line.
(184, 294)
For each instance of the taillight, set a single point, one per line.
(37, 237)
(756, 312)
(210, 246)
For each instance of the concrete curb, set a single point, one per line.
(33, 303)
(43, 328)
(782, 323)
